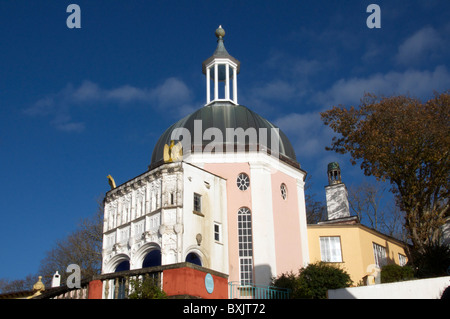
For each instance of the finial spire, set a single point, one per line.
(221, 67)
(220, 32)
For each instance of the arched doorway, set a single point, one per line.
(152, 259)
(194, 259)
(122, 266)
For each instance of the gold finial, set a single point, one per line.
(173, 153)
(111, 181)
(39, 285)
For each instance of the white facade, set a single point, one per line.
(154, 211)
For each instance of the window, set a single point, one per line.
(380, 255)
(217, 232)
(283, 190)
(330, 249)
(152, 259)
(139, 229)
(197, 202)
(245, 246)
(194, 259)
(243, 181)
(402, 259)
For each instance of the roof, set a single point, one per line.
(221, 52)
(223, 115)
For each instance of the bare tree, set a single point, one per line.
(7, 286)
(370, 202)
(316, 211)
(82, 247)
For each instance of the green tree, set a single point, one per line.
(313, 281)
(407, 142)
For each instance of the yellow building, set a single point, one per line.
(342, 240)
(357, 249)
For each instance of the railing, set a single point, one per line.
(63, 292)
(117, 285)
(238, 291)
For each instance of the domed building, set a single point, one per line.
(223, 190)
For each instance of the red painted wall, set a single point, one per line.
(95, 289)
(188, 281)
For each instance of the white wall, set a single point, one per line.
(413, 289)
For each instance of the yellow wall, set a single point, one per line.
(356, 247)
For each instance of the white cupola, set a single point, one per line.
(222, 69)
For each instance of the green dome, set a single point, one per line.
(333, 166)
(223, 115)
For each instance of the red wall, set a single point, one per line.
(95, 289)
(188, 281)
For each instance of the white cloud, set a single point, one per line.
(307, 133)
(419, 46)
(412, 82)
(172, 94)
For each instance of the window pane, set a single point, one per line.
(380, 255)
(197, 202)
(330, 249)
(245, 246)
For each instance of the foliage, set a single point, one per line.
(394, 273)
(433, 261)
(313, 281)
(407, 142)
(147, 288)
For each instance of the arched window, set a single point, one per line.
(245, 246)
(124, 265)
(152, 259)
(194, 259)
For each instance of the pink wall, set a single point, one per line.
(235, 200)
(285, 215)
(286, 224)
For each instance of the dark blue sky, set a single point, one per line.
(79, 104)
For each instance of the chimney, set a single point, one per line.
(56, 280)
(336, 194)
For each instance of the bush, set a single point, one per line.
(313, 281)
(146, 289)
(433, 261)
(394, 273)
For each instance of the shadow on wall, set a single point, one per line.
(263, 275)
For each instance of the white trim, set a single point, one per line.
(264, 256)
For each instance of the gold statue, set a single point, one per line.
(173, 153)
(111, 182)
